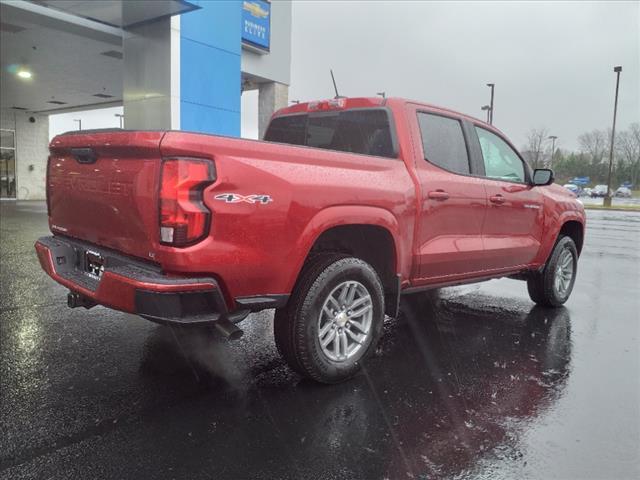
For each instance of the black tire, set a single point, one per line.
(296, 326)
(541, 285)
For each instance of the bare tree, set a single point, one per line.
(534, 149)
(628, 152)
(594, 144)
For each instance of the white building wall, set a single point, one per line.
(32, 151)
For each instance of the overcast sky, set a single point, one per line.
(552, 62)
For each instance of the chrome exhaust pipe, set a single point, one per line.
(227, 329)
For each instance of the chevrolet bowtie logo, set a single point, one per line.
(235, 198)
(255, 9)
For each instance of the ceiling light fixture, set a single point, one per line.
(26, 74)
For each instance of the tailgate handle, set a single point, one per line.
(84, 155)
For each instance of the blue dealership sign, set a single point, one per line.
(256, 23)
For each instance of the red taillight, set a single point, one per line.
(184, 219)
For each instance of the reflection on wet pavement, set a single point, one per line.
(449, 385)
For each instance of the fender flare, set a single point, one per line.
(551, 237)
(340, 215)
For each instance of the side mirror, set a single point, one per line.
(542, 176)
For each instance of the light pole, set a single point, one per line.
(553, 139)
(488, 109)
(490, 112)
(607, 199)
(121, 117)
(79, 123)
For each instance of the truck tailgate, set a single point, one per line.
(102, 187)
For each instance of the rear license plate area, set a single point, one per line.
(93, 264)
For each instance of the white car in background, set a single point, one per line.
(599, 191)
(623, 192)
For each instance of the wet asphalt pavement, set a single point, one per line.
(471, 382)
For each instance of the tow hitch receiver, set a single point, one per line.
(75, 300)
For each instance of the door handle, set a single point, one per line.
(438, 195)
(497, 199)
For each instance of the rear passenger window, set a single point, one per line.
(443, 142)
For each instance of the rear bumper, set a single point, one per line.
(135, 287)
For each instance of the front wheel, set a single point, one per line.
(552, 286)
(333, 319)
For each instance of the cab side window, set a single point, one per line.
(500, 161)
(443, 142)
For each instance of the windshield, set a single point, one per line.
(366, 132)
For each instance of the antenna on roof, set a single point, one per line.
(335, 87)
(382, 94)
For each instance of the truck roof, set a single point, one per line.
(344, 103)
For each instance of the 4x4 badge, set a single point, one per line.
(235, 198)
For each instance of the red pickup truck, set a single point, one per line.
(348, 204)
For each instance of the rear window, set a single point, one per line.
(443, 142)
(366, 132)
(287, 130)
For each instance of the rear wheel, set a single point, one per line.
(552, 286)
(333, 320)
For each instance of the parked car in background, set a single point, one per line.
(572, 188)
(599, 191)
(586, 192)
(623, 192)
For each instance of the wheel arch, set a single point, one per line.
(575, 230)
(567, 224)
(369, 233)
